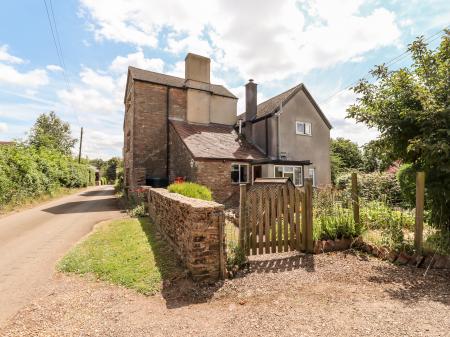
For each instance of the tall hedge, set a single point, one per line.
(27, 173)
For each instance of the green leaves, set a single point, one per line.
(411, 109)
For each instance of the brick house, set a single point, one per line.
(188, 127)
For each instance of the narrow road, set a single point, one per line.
(32, 241)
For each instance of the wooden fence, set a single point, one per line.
(275, 218)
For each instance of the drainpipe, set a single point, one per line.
(167, 135)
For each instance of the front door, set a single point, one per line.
(257, 172)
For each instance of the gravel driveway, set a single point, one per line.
(337, 294)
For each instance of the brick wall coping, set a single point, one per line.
(193, 202)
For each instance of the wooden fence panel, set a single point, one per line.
(253, 221)
(285, 220)
(260, 223)
(280, 219)
(291, 217)
(267, 222)
(273, 220)
(297, 206)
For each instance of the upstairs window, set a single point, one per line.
(239, 173)
(303, 128)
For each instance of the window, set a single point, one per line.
(312, 174)
(303, 128)
(293, 172)
(239, 173)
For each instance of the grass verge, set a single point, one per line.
(128, 252)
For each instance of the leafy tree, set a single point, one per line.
(410, 108)
(373, 159)
(112, 166)
(49, 131)
(348, 153)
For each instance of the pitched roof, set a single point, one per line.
(178, 82)
(272, 105)
(215, 141)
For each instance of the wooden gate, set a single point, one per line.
(275, 217)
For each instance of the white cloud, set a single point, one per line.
(33, 78)
(10, 75)
(335, 109)
(8, 58)
(54, 67)
(120, 63)
(3, 127)
(265, 40)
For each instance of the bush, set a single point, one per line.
(378, 215)
(374, 186)
(191, 190)
(27, 173)
(406, 176)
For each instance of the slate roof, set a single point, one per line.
(178, 82)
(215, 141)
(273, 104)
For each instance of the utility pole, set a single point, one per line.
(81, 142)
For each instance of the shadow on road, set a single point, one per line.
(88, 206)
(97, 193)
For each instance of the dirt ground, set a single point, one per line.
(337, 294)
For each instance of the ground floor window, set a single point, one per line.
(293, 172)
(239, 173)
(312, 174)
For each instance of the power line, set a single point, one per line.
(57, 43)
(394, 60)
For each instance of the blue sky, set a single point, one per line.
(325, 44)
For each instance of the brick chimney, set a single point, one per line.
(250, 100)
(250, 109)
(197, 68)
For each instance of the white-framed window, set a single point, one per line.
(303, 128)
(312, 174)
(293, 172)
(239, 173)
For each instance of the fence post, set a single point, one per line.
(309, 216)
(420, 198)
(355, 198)
(242, 215)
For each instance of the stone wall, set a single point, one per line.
(193, 228)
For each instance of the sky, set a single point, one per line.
(325, 44)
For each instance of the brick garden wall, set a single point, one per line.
(193, 228)
(216, 174)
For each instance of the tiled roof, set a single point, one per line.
(6, 143)
(272, 104)
(173, 81)
(215, 141)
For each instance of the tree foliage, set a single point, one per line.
(410, 108)
(51, 132)
(345, 156)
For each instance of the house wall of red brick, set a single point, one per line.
(145, 129)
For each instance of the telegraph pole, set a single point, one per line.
(81, 142)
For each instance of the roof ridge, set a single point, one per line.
(294, 87)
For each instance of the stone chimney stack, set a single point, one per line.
(197, 68)
(250, 100)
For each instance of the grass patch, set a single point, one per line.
(191, 190)
(128, 252)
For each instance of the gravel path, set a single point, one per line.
(338, 294)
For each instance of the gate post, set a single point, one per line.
(420, 198)
(355, 198)
(242, 216)
(309, 216)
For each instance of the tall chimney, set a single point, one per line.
(197, 68)
(250, 100)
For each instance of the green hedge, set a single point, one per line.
(27, 173)
(191, 190)
(375, 186)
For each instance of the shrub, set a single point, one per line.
(406, 176)
(191, 190)
(374, 186)
(379, 215)
(27, 173)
